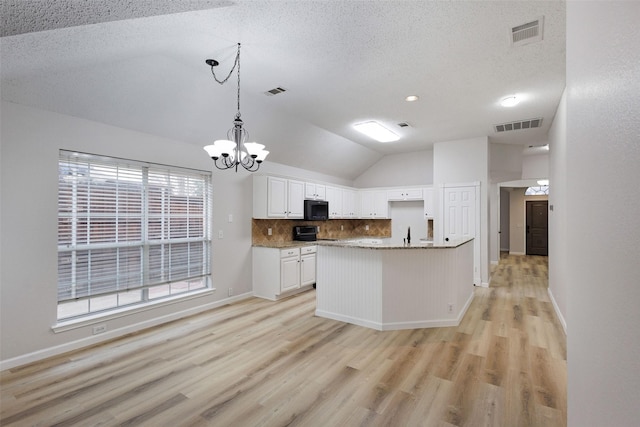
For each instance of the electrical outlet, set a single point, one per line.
(450, 308)
(270, 231)
(366, 227)
(220, 234)
(230, 291)
(99, 329)
(342, 228)
(230, 218)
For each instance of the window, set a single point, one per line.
(542, 190)
(129, 233)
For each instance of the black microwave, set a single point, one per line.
(316, 210)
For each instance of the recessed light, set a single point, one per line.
(412, 98)
(510, 101)
(376, 131)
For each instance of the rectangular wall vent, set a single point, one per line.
(519, 125)
(527, 33)
(275, 91)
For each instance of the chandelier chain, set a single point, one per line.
(235, 63)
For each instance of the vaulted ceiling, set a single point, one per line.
(140, 65)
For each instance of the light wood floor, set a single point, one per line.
(259, 363)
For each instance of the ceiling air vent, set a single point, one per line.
(527, 33)
(522, 124)
(404, 125)
(275, 91)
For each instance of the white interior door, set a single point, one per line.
(461, 219)
(460, 209)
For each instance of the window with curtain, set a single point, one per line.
(129, 233)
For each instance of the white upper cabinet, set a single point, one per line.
(275, 197)
(313, 191)
(404, 194)
(374, 204)
(350, 204)
(429, 205)
(278, 197)
(334, 198)
(295, 199)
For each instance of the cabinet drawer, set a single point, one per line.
(286, 253)
(308, 250)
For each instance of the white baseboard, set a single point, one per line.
(557, 310)
(394, 326)
(109, 335)
(516, 253)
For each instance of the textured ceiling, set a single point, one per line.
(140, 65)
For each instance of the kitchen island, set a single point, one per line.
(387, 285)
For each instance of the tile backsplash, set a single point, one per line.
(282, 229)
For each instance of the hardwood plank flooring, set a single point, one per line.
(262, 363)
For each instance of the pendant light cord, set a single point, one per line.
(236, 63)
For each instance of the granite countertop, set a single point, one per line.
(283, 245)
(390, 243)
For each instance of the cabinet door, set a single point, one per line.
(366, 204)
(349, 204)
(334, 197)
(276, 197)
(289, 273)
(295, 199)
(429, 208)
(380, 204)
(307, 269)
(321, 192)
(404, 194)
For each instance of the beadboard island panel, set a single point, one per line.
(390, 287)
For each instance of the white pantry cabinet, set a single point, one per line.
(282, 272)
(275, 197)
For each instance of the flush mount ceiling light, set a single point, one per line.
(235, 151)
(412, 98)
(510, 101)
(376, 131)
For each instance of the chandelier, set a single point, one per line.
(235, 151)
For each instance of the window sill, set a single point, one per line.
(68, 325)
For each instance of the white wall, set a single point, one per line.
(466, 161)
(404, 215)
(603, 158)
(557, 211)
(535, 166)
(414, 168)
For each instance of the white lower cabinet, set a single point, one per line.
(283, 272)
(307, 266)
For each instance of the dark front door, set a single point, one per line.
(537, 227)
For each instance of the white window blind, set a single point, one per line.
(126, 225)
